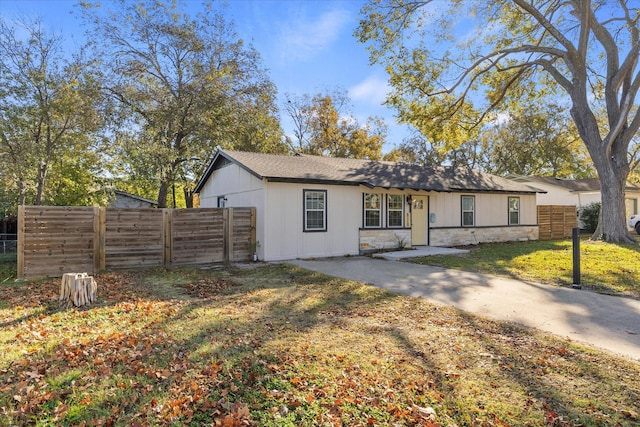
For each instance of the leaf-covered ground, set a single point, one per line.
(282, 346)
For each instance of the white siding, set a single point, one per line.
(490, 209)
(285, 238)
(279, 215)
(555, 195)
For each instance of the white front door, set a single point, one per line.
(419, 220)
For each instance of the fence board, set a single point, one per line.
(56, 240)
(133, 236)
(556, 221)
(198, 237)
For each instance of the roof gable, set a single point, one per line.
(372, 174)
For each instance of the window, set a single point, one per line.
(468, 211)
(632, 207)
(514, 210)
(395, 210)
(372, 210)
(315, 210)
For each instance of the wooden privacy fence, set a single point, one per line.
(54, 240)
(556, 221)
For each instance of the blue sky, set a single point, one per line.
(308, 47)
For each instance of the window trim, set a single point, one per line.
(401, 210)
(462, 211)
(305, 228)
(509, 211)
(365, 210)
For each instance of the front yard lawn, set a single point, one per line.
(277, 345)
(605, 267)
(8, 267)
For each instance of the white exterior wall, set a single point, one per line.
(280, 215)
(491, 209)
(241, 189)
(555, 195)
(491, 219)
(284, 236)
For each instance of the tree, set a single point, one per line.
(537, 141)
(185, 85)
(324, 126)
(48, 117)
(517, 53)
(419, 149)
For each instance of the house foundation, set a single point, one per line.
(384, 239)
(471, 236)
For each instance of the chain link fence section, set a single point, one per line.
(8, 243)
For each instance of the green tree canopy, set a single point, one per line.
(324, 126)
(457, 63)
(185, 85)
(540, 141)
(49, 104)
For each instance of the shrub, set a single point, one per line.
(589, 216)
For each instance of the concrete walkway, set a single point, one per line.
(419, 251)
(610, 323)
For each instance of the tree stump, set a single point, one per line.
(77, 289)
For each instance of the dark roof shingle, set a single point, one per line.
(575, 185)
(307, 168)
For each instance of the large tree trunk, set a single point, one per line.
(613, 221)
(163, 193)
(612, 165)
(42, 176)
(166, 181)
(188, 197)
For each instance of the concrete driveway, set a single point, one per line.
(610, 323)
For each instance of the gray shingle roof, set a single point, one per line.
(331, 170)
(575, 185)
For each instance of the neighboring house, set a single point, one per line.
(123, 199)
(311, 206)
(576, 192)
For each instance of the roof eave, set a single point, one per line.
(221, 154)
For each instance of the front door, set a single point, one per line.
(419, 221)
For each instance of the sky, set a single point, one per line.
(307, 45)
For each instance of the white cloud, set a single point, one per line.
(373, 90)
(303, 39)
(500, 119)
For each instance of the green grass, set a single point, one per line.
(605, 267)
(7, 267)
(278, 345)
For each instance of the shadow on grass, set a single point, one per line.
(605, 268)
(202, 357)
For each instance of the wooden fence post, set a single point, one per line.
(99, 230)
(230, 235)
(20, 244)
(167, 236)
(225, 236)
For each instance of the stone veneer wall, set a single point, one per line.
(372, 240)
(471, 236)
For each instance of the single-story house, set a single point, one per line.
(576, 192)
(122, 199)
(312, 206)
